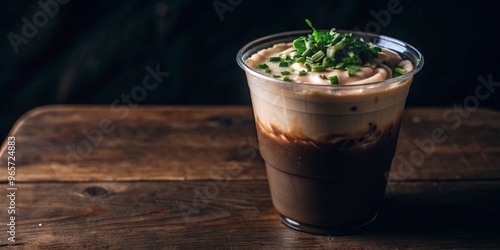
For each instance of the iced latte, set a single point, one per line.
(327, 108)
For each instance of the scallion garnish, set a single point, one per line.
(283, 64)
(300, 59)
(339, 66)
(300, 44)
(350, 69)
(334, 80)
(331, 49)
(322, 50)
(294, 54)
(317, 68)
(398, 71)
(327, 62)
(274, 59)
(318, 56)
(262, 66)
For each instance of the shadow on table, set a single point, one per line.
(469, 213)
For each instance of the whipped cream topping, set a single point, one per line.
(322, 114)
(378, 70)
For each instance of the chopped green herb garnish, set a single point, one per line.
(300, 44)
(300, 59)
(327, 62)
(318, 56)
(308, 66)
(350, 69)
(274, 59)
(418, 61)
(283, 64)
(322, 50)
(331, 49)
(398, 71)
(262, 66)
(294, 54)
(376, 49)
(317, 68)
(334, 80)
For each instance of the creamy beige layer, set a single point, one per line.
(315, 112)
(375, 72)
(313, 115)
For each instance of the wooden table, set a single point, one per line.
(191, 177)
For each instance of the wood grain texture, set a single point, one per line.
(153, 143)
(191, 177)
(196, 143)
(149, 215)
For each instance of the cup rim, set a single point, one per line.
(296, 33)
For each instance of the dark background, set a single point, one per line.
(91, 52)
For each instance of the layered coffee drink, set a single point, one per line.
(328, 131)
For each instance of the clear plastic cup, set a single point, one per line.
(328, 148)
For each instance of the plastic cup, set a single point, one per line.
(328, 148)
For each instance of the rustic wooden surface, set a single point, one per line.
(139, 187)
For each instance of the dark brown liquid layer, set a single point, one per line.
(337, 180)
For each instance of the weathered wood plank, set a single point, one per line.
(468, 146)
(154, 143)
(191, 143)
(149, 215)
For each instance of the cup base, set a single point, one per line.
(325, 230)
